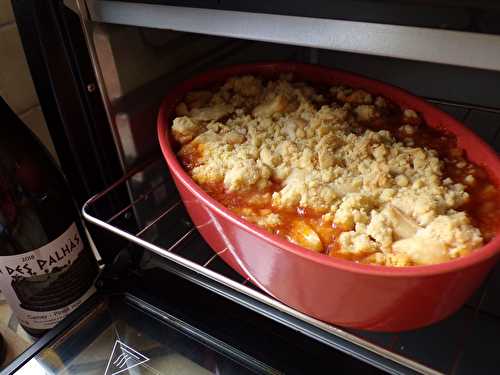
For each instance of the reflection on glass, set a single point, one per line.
(120, 339)
(33, 367)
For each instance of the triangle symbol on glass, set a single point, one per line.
(123, 358)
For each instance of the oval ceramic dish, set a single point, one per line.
(337, 291)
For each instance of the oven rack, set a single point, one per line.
(163, 227)
(202, 266)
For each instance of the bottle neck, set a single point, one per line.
(35, 203)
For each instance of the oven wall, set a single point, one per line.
(139, 64)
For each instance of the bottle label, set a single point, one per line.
(44, 285)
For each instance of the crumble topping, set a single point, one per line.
(314, 167)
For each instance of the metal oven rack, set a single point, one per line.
(165, 229)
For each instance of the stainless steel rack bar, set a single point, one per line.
(468, 107)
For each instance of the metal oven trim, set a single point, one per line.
(415, 43)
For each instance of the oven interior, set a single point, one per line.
(135, 66)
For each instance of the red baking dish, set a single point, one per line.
(337, 291)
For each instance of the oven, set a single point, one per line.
(166, 303)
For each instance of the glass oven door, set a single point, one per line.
(163, 324)
(119, 336)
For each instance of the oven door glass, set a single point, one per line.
(123, 336)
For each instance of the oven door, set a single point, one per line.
(185, 329)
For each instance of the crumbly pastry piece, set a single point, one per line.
(288, 149)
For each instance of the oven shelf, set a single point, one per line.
(218, 277)
(163, 227)
(458, 48)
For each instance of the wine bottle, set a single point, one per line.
(47, 268)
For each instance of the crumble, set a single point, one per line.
(336, 170)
